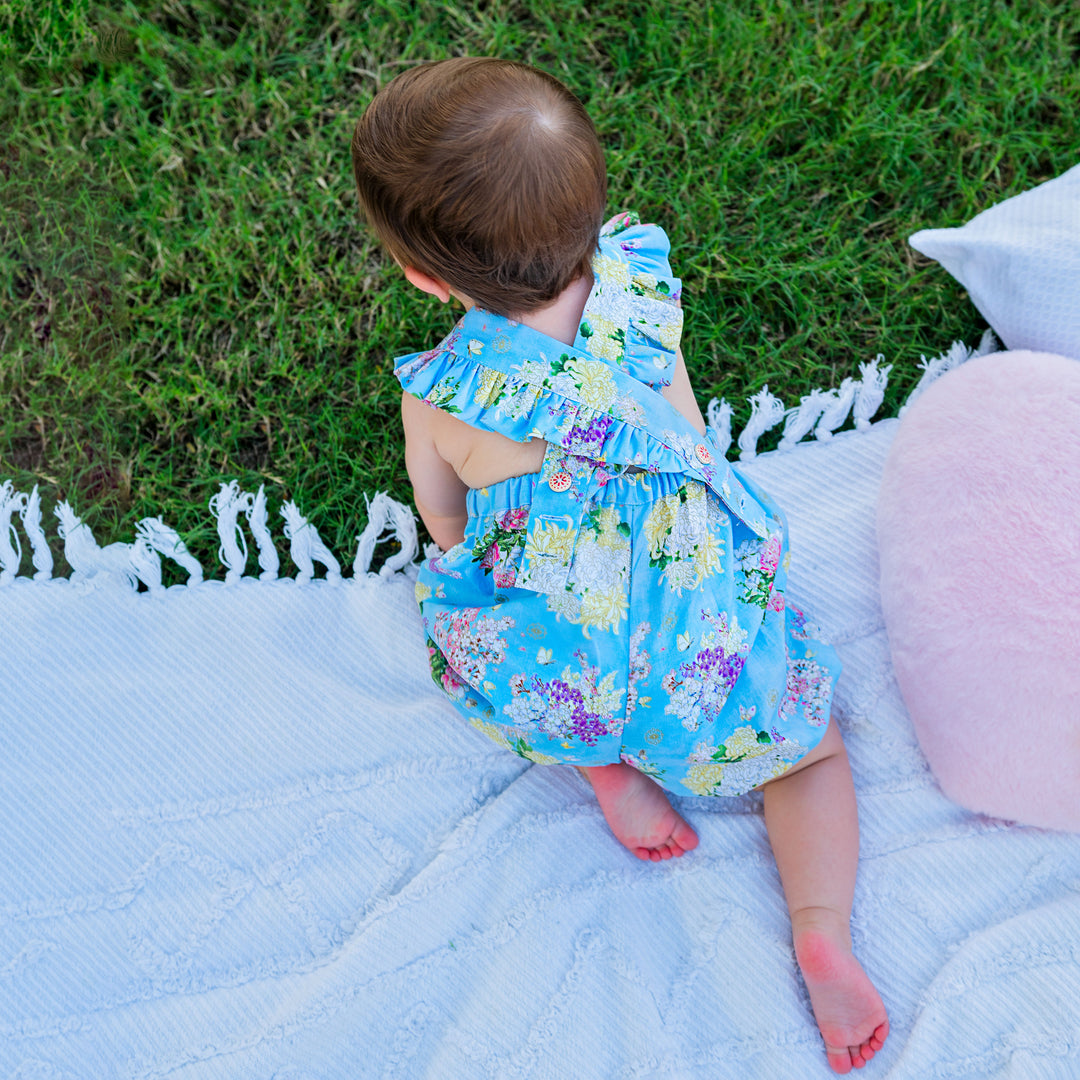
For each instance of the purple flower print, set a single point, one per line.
(588, 441)
(699, 689)
(568, 715)
(572, 706)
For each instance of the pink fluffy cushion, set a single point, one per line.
(979, 536)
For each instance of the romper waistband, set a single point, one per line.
(634, 487)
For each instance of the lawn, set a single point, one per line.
(190, 295)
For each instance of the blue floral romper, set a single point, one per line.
(626, 602)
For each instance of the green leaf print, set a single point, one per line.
(757, 588)
(661, 561)
(521, 748)
(436, 663)
(443, 394)
(507, 540)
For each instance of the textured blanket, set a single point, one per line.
(244, 835)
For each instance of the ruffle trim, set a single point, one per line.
(584, 406)
(632, 317)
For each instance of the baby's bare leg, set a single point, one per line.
(813, 827)
(639, 813)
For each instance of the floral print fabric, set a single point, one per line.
(627, 602)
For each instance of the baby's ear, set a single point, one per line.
(433, 286)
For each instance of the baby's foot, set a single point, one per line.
(848, 1010)
(639, 813)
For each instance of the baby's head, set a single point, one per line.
(486, 174)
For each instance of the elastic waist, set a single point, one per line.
(633, 488)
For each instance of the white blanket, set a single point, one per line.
(244, 835)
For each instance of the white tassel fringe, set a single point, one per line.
(766, 411)
(11, 501)
(165, 540)
(820, 411)
(31, 518)
(871, 391)
(268, 556)
(801, 419)
(88, 560)
(307, 548)
(957, 354)
(233, 550)
(387, 519)
(836, 410)
(719, 420)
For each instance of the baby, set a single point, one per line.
(611, 593)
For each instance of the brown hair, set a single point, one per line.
(485, 173)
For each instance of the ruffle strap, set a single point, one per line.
(632, 317)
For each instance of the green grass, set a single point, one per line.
(189, 294)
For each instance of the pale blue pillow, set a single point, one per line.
(1020, 263)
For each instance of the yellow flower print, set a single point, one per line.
(670, 331)
(548, 538)
(540, 759)
(742, 742)
(492, 732)
(421, 591)
(605, 341)
(695, 493)
(597, 385)
(489, 388)
(778, 769)
(659, 523)
(610, 539)
(702, 779)
(612, 271)
(602, 610)
(605, 699)
(707, 557)
(496, 735)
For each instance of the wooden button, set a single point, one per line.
(703, 454)
(560, 481)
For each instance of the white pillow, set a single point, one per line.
(1020, 263)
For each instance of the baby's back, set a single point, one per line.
(482, 458)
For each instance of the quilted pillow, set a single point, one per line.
(979, 538)
(1020, 263)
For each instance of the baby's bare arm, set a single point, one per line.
(681, 394)
(437, 490)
